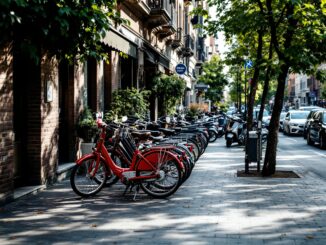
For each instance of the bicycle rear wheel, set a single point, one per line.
(170, 176)
(84, 181)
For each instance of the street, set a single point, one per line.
(212, 207)
(295, 148)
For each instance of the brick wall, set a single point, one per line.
(49, 120)
(80, 98)
(6, 128)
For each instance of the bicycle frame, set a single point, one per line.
(141, 161)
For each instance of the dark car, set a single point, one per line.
(316, 132)
(308, 122)
(282, 116)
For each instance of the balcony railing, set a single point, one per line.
(190, 42)
(177, 40)
(139, 7)
(162, 18)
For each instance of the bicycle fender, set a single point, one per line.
(152, 157)
(89, 155)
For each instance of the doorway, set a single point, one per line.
(66, 113)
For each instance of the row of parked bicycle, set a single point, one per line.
(144, 155)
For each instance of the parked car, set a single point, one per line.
(282, 116)
(266, 117)
(294, 122)
(309, 108)
(316, 132)
(308, 121)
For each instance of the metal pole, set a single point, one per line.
(245, 118)
(259, 145)
(245, 115)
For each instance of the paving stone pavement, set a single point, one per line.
(212, 207)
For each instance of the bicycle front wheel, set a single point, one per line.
(169, 181)
(85, 181)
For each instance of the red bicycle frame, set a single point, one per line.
(142, 160)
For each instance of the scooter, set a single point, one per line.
(235, 131)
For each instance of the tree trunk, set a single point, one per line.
(272, 139)
(254, 81)
(266, 83)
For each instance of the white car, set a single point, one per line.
(310, 108)
(294, 122)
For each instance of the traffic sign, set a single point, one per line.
(180, 69)
(248, 64)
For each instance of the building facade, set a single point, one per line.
(303, 90)
(40, 105)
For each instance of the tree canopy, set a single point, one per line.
(294, 29)
(213, 75)
(64, 28)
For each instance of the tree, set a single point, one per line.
(296, 30)
(321, 76)
(57, 27)
(213, 76)
(169, 91)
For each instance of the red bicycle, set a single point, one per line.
(156, 170)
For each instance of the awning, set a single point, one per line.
(201, 86)
(154, 57)
(150, 56)
(114, 40)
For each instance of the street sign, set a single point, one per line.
(248, 64)
(180, 69)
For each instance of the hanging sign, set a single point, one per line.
(180, 69)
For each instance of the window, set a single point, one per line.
(298, 115)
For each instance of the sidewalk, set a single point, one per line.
(212, 207)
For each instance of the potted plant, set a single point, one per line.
(86, 130)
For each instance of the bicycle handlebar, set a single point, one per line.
(100, 123)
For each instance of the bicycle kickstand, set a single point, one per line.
(126, 189)
(136, 192)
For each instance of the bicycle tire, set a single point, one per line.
(82, 183)
(170, 180)
(212, 136)
(186, 165)
(196, 148)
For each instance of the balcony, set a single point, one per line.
(164, 31)
(190, 42)
(138, 7)
(160, 14)
(188, 49)
(177, 40)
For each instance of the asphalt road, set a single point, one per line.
(295, 148)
